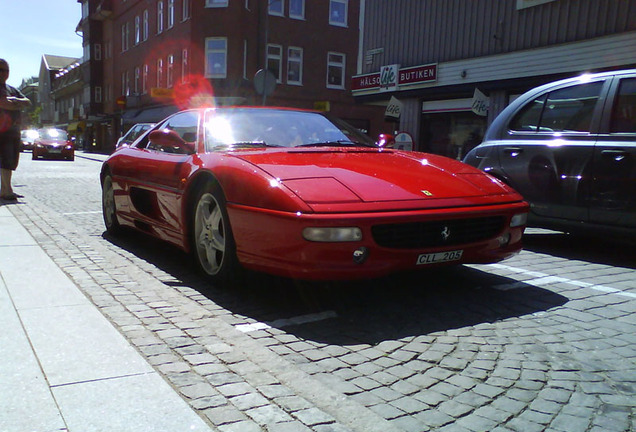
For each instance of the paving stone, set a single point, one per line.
(313, 417)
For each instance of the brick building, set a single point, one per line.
(145, 59)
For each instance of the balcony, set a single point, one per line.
(103, 10)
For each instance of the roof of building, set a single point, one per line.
(54, 62)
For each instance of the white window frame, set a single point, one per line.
(185, 10)
(125, 31)
(137, 30)
(170, 71)
(159, 17)
(295, 60)
(159, 72)
(145, 72)
(146, 25)
(302, 13)
(185, 65)
(215, 51)
(338, 64)
(170, 14)
(137, 79)
(278, 58)
(340, 22)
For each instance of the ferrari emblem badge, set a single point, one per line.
(446, 233)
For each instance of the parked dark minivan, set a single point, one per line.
(569, 147)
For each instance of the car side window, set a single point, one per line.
(624, 112)
(185, 124)
(565, 110)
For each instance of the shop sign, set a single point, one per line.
(324, 106)
(391, 78)
(393, 109)
(480, 103)
(161, 93)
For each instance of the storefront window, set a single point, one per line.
(451, 134)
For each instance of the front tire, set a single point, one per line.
(212, 240)
(109, 209)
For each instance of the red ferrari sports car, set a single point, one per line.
(303, 195)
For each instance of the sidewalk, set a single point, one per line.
(63, 366)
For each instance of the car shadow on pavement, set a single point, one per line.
(610, 251)
(369, 311)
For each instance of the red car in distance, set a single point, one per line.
(304, 195)
(53, 143)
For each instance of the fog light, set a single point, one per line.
(519, 220)
(360, 255)
(331, 234)
(504, 240)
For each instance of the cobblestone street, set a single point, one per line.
(544, 341)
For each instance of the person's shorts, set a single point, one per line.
(9, 150)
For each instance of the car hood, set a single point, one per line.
(329, 176)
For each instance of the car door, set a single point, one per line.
(614, 187)
(161, 173)
(548, 153)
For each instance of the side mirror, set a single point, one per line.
(170, 141)
(386, 141)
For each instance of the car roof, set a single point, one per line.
(496, 129)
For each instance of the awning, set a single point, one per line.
(148, 115)
(76, 126)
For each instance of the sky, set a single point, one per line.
(32, 28)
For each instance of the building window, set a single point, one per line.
(170, 71)
(215, 3)
(336, 70)
(245, 59)
(276, 7)
(125, 83)
(125, 29)
(97, 48)
(170, 13)
(185, 66)
(297, 9)
(98, 94)
(159, 72)
(338, 10)
(185, 9)
(137, 30)
(294, 65)
(215, 57)
(137, 79)
(144, 36)
(144, 79)
(159, 17)
(274, 60)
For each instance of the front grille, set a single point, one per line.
(417, 235)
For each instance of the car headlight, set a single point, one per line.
(519, 220)
(332, 234)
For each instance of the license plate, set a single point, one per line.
(439, 257)
(55, 150)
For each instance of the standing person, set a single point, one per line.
(11, 102)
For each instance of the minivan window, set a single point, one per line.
(624, 114)
(564, 110)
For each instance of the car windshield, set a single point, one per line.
(53, 134)
(253, 127)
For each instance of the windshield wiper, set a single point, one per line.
(253, 144)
